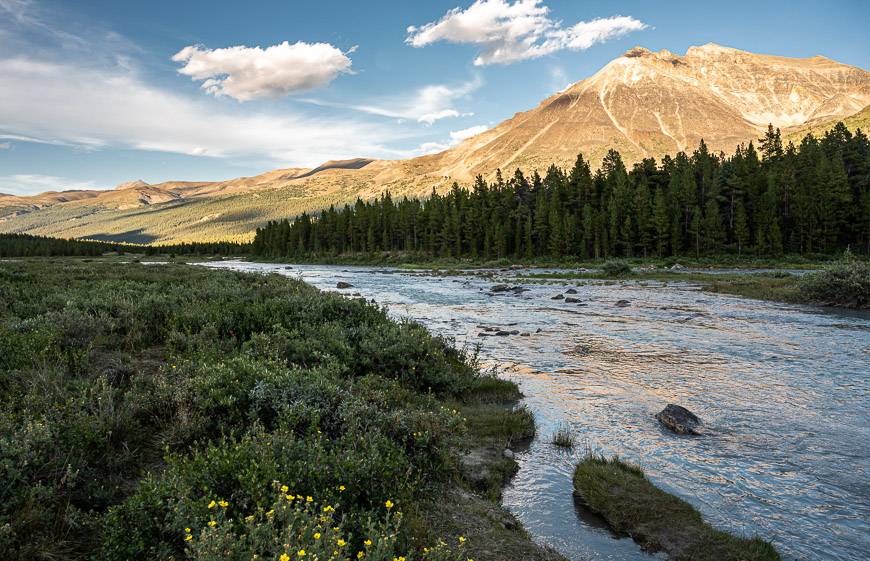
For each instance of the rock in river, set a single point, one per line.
(623, 303)
(500, 288)
(571, 291)
(557, 297)
(679, 419)
(342, 284)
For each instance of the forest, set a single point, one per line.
(774, 199)
(26, 245)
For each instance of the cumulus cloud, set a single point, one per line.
(71, 104)
(508, 32)
(25, 184)
(246, 73)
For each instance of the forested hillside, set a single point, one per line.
(773, 199)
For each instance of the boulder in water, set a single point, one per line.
(679, 419)
(342, 284)
(570, 300)
(571, 291)
(557, 297)
(500, 288)
(623, 303)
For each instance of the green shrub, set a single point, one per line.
(845, 283)
(616, 268)
(131, 396)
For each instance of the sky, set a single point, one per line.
(98, 92)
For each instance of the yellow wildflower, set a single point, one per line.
(341, 542)
(368, 542)
(188, 537)
(360, 555)
(461, 539)
(270, 513)
(309, 499)
(341, 488)
(212, 504)
(187, 530)
(301, 553)
(284, 557)
(284, 488)
(388, 504)
(224, 504)
(212, 523)
(290, 497)
(328, 508)
(316, 535)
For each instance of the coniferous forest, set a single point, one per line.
(769, 200)
(26, 245)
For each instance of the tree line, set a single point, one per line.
(27, 245)
(773, 199)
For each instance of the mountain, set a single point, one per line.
(644, 104)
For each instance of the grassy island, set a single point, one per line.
(657, 520)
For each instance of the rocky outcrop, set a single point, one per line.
(679, 419)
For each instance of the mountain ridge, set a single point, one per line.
(643, 104)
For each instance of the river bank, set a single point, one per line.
(179, 412)
(754, 371)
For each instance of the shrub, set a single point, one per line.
(616, 268)
(845, 283)
(132, 394)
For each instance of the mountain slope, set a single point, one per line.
(643, 104)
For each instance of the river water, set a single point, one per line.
(782, 390)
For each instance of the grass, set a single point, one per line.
(176, 412)
(657, 520)
(496, 421)
(563, 437)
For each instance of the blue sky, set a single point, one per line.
(97, 92)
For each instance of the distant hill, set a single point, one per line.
(643, 104)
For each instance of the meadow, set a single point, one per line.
(176, 412)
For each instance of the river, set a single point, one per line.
(782, 390)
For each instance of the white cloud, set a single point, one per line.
(246, 73)
(455, 138)
(430, 118)
(82, 106)
(460, 135)
(26, 184)
(509, 32)
(427, 104)
(429, 148)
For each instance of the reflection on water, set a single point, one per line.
(782, 389)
